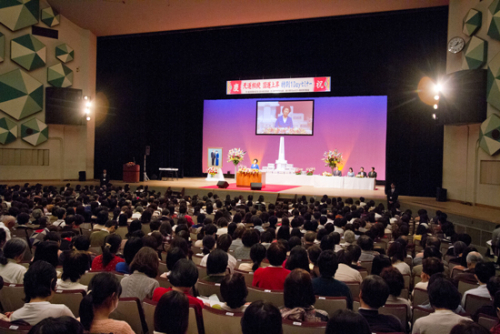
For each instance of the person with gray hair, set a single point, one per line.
(349, 238)
(468, 274)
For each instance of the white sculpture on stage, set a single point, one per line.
(217, 177)
(281, 162)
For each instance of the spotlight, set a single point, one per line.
(434, 116)
(87, 111)
(88, 118)
(88, 104)
(435, 106)
(438, 88)
(436, 97)
(85, 97)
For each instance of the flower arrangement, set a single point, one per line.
(310, 171)
(327, 174)
(130, 164)
(242, 168)
(298, 171)
(235, 156)
(212, 170)
(332, 158)
(359, 176)
(250, 171)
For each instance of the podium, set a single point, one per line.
(244, 179)
(131, 174)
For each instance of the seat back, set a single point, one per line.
(202, 272)
(367, 265)
(420, 296)
(363, 273)
(354, 287)
(221, 322)
(122, 231)
(149, 307)
(70, 298)
(465, 285)
(473, 303)
(419, 312)
(399, 311)
(274, 297)
(207, 289)
(87, 277)
(487, 321)
(164, 282)
(11, 297)
(7, 327)
(97, 250)
(130, 310)
(296, 327)
(330, 304)
(355, 305)
(248, 276)
(162, 268)
(197, 259)
(404, 294)
(195, 321)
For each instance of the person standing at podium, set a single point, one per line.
(284, 121)
(255, 164)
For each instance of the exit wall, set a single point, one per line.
(462, 155)
(71, 148)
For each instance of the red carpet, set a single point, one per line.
(273, 188)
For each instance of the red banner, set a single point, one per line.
(274, 86)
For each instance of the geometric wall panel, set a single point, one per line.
(50, 17)
(8, 131)
(34, 132)
(28, 52)
(472, 22)
(489, 136)
(475, 54)
(65, 53)
(60, 75)
(494, 18)
(2, 47)
(18, 14)
(21, 95)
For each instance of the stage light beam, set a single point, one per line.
(88, 118)
(436, 97)
(435, 106)
(434, 116)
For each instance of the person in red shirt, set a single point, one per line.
(272, 277)
(182, 277)
(108, 260)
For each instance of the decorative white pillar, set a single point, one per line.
(281, 162)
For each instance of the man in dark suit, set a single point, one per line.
(212, 155)
(392, 196)
(362, 172)
(372, 174)
(337, 172)
(104, 178)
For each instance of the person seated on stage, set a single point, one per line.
(255, 164)
(337, 172)
(272, 277)
(362, 172)
(372, 174)
(350, 173)
(284, 121)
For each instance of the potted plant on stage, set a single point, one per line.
(212, 171)
(327, 174)
(298, 171)
(332, 159)
(235, 156)
(310, 171)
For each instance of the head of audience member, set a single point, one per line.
(224, 242)
(366, 243)
(217, 262)
(61, 325)
(250, 238)
(132, 246)
(347, 322)
(257, 254)
(349, 237)
(431, 266)
(443, 295)
(328, 264)
(484, 271)
(261, 317)
(431, 251)
(396, 252)
(353, 252)
(184, 275)
(47, 251)
(283, 233)
(111, 245)
(468, 327)
(493, 285)
(146, 262)
(174, 254)
(298, 259)
(374, 292)
(208, 244)
(276, 254)
(172, 313)
(465, 253)
(379, 263)
(394, 280)
(234, 290)
(13, 250)
(458, 248)
(102, 298)
(74, 266)
(40, 281)
(472, 259)
(298, 290)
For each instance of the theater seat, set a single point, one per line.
(248, 276)
(354, 287)
(11, 297)
(7, 327)
(330, 304)
(207, 289)
(195, 322)
(221, 322)
(70, 298)
(149, 307)
(420, 296)
(466, 285)
(487, 321)
(367, 265)
(130, 310)
(419, 312)
(274, 297)
(296, 327)
(399, 311)
(474, 303)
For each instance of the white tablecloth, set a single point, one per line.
(328, 181)
(359, 183)
(320, 181)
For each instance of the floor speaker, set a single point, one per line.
(82, 176)
(222, 184)
(441, 194)
(256, 186)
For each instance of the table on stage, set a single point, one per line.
(244, 179)
(320, 181)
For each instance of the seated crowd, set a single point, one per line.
(373, 258)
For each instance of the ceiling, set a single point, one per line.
(120, 17)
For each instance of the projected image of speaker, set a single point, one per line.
(222, 184)
(463, 98)
(256, 186)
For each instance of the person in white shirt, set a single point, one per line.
(61, 214)
(483, 272)
(444, 298)
(39, 287)
(430, 266)
(75, 264)
(13, 254)
(7, 225)
(397, 253)
(223, 242)
(345, 273)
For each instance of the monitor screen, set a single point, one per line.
(285, 118)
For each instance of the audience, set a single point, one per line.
(132, 246)
(172, 313)
(61, 325)
(13, 254)
(75, 264)
(272, 277)
(142, 282)
(216, 266)
(257, 255)
(347, 322)
(108, 259)
(261, 317)
(483, 272)
(396, 283)
(234, 291)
